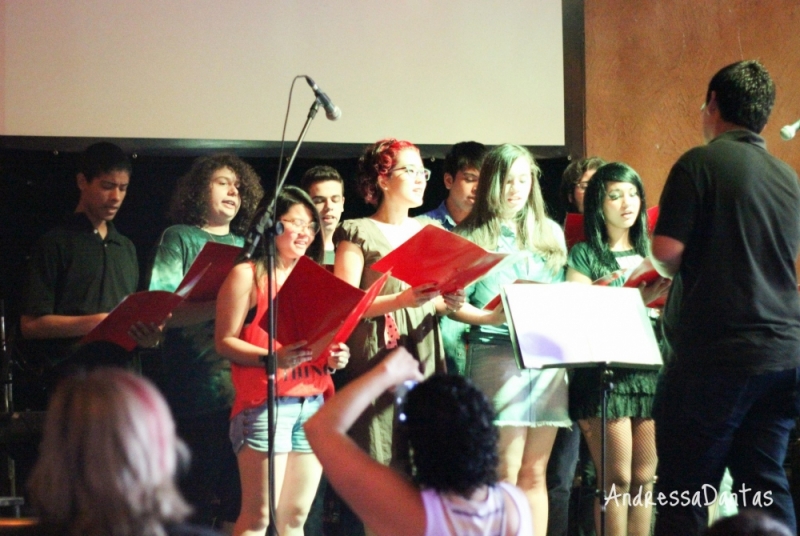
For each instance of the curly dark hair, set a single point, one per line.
(189, 203)
(377, 160)
(594, 221)
(452, 439)
(745, 94)
(572, 176)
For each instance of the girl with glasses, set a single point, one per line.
(509, 217)
(615, 225)
(241, 304)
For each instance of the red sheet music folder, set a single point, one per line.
(148, 306)
(573, 229)
(644, 273)
(214, 261)
(434, 255)
(318, 307)
(201, 283)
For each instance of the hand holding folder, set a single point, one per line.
(642, 274)
(201, 283)
(318, 307)
(433, 255)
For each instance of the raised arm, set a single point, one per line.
(386, 501)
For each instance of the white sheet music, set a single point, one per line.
(575, 325)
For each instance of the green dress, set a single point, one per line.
(634, 389)
(419, 333)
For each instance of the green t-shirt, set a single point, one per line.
(193, 377)
(581, 256)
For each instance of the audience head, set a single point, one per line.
(744, 93)
(575, 180)
(326, 188)
(461, 174)
(748, 523)
(108, 457)
(383, 161)
(195, 196)
(452, 440)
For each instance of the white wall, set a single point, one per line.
(431, 71)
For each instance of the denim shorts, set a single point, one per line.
(249, 427)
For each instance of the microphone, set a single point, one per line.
(259, 223)
(788, 132)
(332, 111)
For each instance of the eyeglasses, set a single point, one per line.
(582, 185)
(298, 226)
(413, 172)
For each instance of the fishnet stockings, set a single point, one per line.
(631, 465)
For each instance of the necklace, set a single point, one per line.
(229, 239)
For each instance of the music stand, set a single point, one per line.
(7, 412)
(545, 334)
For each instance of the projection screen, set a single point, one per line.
(430, 71)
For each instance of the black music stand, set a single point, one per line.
(7, 416)
(544, 334)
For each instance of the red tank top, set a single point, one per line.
(251, 382)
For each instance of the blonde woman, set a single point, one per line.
(509, 217)
(108, 460)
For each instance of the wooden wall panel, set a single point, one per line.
(648, 63)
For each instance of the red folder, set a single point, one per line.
(201, 283)
(318, 307)
(149, 306)
(573, 229)
(644, 273)
(214, 262)
(434, 255)
(573, 226)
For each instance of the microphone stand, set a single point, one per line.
(268, 228)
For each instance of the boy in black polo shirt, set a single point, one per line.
(82, 268)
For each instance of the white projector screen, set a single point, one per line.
(430, 71)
